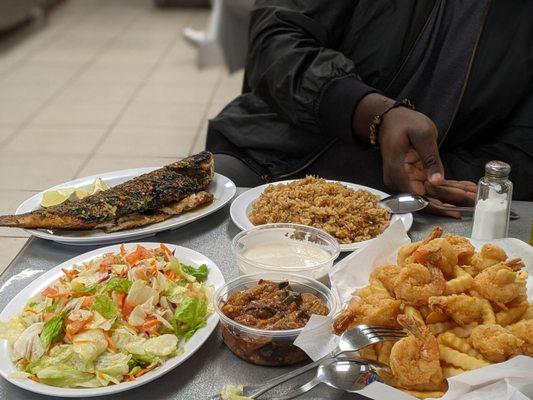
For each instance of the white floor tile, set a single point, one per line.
(56, 140)
(151, 142)
(19, 171)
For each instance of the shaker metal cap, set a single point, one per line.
(497, 169)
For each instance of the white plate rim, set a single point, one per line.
(31, 204)
(17, 303)
(243, 201)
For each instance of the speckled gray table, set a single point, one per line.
(213, 365)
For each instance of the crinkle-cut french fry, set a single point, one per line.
(459, 285)
(440, 327)
(512, 315)
(413, 312)
(383, 350)
(434, 316)
(460, 360)
(368, 353)
(455, 342)
(448, 372)
(529, 312)
(487, 313)
(463, 331)
(424, 395)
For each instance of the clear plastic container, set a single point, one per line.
(268, 347)
(289, 246)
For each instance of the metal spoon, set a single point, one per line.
(408, 202)
(347, 375)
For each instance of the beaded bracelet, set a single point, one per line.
(378, 120)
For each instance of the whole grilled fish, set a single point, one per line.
(148, 198)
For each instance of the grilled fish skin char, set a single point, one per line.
(141, 195)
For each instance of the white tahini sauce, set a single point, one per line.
(287, 253)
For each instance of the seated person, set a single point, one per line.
(319, 71)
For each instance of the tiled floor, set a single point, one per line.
(103, 85)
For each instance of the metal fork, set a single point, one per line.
(351, 340)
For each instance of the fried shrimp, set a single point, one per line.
(438, 253)
(463, 309)
(386, 274)
(414, 360)
(524, 330)
(463, 248)
(502, 282)
(369, 310)
(495, 343)
(489, 255)
(415, 284)
(407, 250)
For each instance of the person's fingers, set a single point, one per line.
(450, 194)
(465, 185)
(425, 145)
(434, 210)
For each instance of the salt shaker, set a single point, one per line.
(493, 202)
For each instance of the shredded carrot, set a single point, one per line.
(110, 341)
(34, 378)
(142, 372)
(81, 341)
(166, 249)
(131, 326)
(87, 301)
(122, 249)
(140, 253)
(171, 275)
(49, 291)
(70, 274)
(127, 308)
(120, 298)
(151, 322)
(27, 309)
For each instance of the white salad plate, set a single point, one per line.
(242, 205)
(222, 188)
(17, 304)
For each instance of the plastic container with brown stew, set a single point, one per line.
(262, 314)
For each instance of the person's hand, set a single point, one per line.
(408, 143)
(448, 193)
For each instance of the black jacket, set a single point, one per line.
(311, 61)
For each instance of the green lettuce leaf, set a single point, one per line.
(105, 306)
(63, 375)
(52, 330)
(189, 316)
(199, 273)
(114, 364)
(89, 344)
(232, 392)
(12, 329)
(117, 285)
(163, 345)
(143, 360)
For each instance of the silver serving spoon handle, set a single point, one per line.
(408, 202)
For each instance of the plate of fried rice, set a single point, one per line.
(347, 211)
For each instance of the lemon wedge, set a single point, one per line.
(59, 196)
(55, 197)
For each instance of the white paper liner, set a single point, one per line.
(510, 380)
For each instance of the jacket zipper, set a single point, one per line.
(468, 71)
(413, 46)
